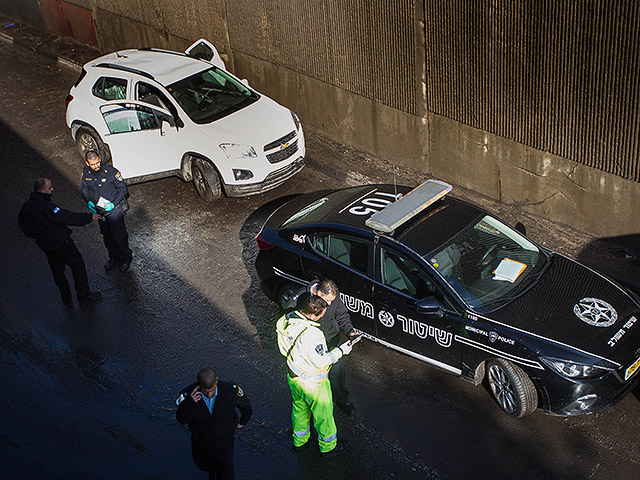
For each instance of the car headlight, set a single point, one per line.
(572, 369)
(296, 121)
(234, 150)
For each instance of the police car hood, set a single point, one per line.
(258, 124)
(579, 308)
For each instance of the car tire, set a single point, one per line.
(206, 180)
(284, 294)
(87, 139)
(512, 388)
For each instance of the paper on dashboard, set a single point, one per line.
(509, 270)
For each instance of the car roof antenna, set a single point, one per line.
(395, 183)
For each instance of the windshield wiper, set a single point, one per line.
(227, 92)
(523, 288)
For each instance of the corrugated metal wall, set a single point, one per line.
(363, 46)
(559, 76)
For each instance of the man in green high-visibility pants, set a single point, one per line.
(308, 362)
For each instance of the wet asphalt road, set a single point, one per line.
(88, 391)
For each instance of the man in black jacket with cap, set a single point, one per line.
(43, 220)
(209, 408)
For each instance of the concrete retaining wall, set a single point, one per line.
(541, 183)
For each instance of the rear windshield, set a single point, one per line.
(317, 210)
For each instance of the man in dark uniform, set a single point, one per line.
(335, 319)
(209, 408)
(43, 220)
(104, 191)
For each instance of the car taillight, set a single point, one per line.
(68, 100)
(263, 244)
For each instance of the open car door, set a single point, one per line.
(205, 51)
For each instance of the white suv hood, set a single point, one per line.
(260, 123)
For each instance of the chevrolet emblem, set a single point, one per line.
(284, 145)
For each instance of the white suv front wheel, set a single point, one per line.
(206, 180)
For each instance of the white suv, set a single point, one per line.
(156, 113)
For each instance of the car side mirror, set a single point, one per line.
(245, 82)
(521, 228)
(430, 306)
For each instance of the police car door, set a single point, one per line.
(427, 336)
(142, 138)
(348, 262)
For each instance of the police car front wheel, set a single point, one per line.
(512, 388)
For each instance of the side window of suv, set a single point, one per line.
(150, 94)
(348, 251)
(129, 118)
(109, 88)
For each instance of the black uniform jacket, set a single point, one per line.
(335, 319)
(106, 183)
(43, 220)
(214, 429)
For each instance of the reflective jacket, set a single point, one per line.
(303, 344)
(335, 319)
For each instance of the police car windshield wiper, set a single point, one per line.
(524, 287)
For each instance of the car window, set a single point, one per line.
(109, 88)
(124, 117)
(210, 95)
(150, 94)
(348, 251)
(403, 275)
(488, 263)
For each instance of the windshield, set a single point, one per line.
(488, 263)
(210, 95)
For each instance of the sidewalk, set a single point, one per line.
(66, 51)
(618, 257)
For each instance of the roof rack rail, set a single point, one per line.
(124, 68)
(162, 50)
(408, 206)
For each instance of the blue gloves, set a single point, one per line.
(92, 207)
(108, 206)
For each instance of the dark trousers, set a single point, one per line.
(216, 460)
(114, 233)
(337, 376)
(68, 254)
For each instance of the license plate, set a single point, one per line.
(632, 369)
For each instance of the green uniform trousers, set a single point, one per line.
(312, 398)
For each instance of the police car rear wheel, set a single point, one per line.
(206, 180)
(512, 388)
(88, 140)
(285, 292)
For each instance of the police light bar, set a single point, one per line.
(408, 206)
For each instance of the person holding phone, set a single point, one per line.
(335, 320)
(309, 360)
(210, 408)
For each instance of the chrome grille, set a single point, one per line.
(281, 141)
(281, 155)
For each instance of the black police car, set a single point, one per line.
(446, 282)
